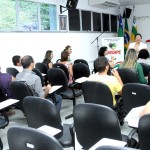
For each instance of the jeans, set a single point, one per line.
(57, 100)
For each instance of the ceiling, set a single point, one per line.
(133, 2)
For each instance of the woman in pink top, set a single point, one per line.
(64, 60)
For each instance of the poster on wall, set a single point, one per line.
(115, 47)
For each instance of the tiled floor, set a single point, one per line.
(19, 120)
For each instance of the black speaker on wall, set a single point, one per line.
(71, 4)
(128, 12)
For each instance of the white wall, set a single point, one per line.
(36, 44)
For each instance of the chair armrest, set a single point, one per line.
(130, 137)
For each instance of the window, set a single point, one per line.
(74, 20)
(25, 15)
(7, 15)
(96, 21)
(86, 20)
(113, 23)
(106, 22)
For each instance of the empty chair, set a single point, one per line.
(63, 67)
(57, 76)
(93, 122)
(146, 69)
(134, 95)
(98, 93)
(80, 70)
(81, 61)
(12, 71)
(44, 113)
(20, 90)
(128, 75)
(144, 132)
(42, 67)
(28, 138)
(38, 73)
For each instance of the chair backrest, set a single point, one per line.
(56, 76)
(12, 71)
(42, 67)
(63, 67)
(28, 138)
(93, 122)
(146, 69)
(41, 112)
(97, 92)
(128, 75)
(38, 73)
(81, 61)
(80, 70)
(20, 90)
(144, 132)
(134, 95)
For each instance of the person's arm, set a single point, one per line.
(70, 69)
(146, 109)
(50, 65)
(142, 79)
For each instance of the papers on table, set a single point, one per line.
(108, 142)
(133, 116)
(82, 79)
(7, 103)
(50, 130)
(54, 88)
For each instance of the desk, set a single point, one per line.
(7, 103)
(133, 116)
(108, 142)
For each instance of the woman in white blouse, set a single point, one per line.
(138, 44)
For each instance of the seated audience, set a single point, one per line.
(69, 50)
(5, 79)
(64, 60)
(17, 62)
(48, 59)
(131, 63)
(34, 81)
(114, 82)
(143, 57)
(103, 51)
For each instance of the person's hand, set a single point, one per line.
(48, 87)
(115, 73)
(113, 58)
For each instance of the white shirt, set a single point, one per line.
(141, 46)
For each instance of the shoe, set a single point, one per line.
(10, 112)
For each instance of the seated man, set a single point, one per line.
(17, 62)
(113, 82)
(34, 81)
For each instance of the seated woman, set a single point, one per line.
(103, 51)
(69, 50)
(143, 57)
(131, 63)
(48, 59)
(64, 60)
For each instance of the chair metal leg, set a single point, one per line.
(69, 116)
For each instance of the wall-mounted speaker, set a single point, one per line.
(71, 4)
(127, 11)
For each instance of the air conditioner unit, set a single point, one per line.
(104, 3)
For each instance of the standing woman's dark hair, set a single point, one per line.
(102, 51)
(48, 58)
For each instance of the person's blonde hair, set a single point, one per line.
(130, 59)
